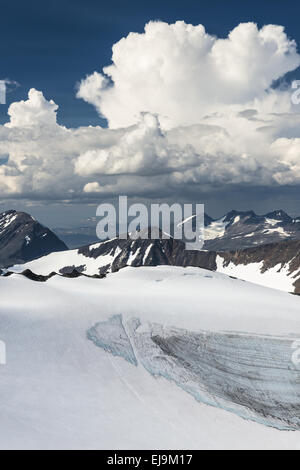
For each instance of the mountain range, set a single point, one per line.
(274, 265)
(261, 249)
(238, 230)
(235, 230)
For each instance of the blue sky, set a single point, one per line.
(52, 45)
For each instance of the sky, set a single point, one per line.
(196, 107)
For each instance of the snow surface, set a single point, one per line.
(59, 390)
(275, 229)
(278, 277)
(6, 220)
(279, 230)
(58, 260)
(133, 256)
(216, 229)
(272, 222)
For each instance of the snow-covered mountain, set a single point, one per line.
(238, 230)
(275, 265)
(22, 239)
(148, 358)
(112, 255)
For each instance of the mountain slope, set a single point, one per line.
(275, 265)
(23, 239)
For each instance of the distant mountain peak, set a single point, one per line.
(245, 229)
(279, 215)
(23, 239)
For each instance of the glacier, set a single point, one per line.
(111, 336)
(191, 339)
(252, 376)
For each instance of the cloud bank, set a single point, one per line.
(186, 112)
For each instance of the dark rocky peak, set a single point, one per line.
(279, 215)
(23, 239)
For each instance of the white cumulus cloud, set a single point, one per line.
(182, 73)
(36, 111)
(143, 150)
